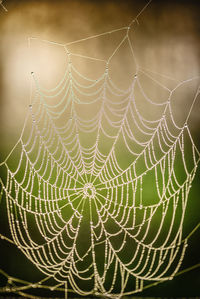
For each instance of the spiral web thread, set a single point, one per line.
(67, 179)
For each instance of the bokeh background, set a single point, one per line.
(166, 40)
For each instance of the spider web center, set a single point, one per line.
(89, 190)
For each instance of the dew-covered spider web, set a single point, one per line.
(97, 192)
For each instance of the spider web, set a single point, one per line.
(98, 196)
